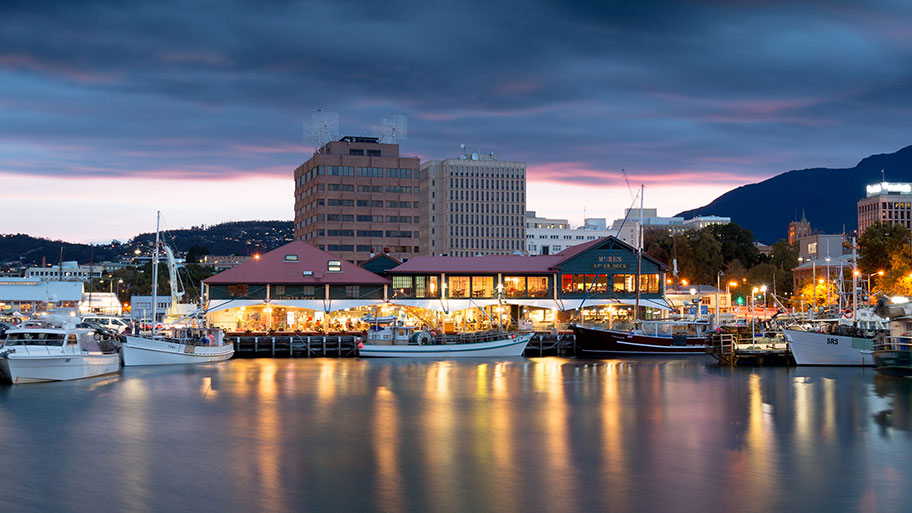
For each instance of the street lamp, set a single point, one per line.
(763, 289)
(753, 292)
(718, 286)
(878, 273)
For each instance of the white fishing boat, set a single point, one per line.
(392, 341)
(179, 344)
(844, 340)
(56, 352)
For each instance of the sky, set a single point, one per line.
(111, 110)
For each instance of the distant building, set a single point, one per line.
(821, 246)
(473, 205)
(357, 196)
(70, 271)
(222, 262)
(650, 219)
(799, 229)
(549, 236)
(141, 307)
(886, 202)
(700, 222)
(30, 295)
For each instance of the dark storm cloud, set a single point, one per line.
(737, 89)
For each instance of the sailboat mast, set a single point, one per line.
(640, 242)
(155, 273)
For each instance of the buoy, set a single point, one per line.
(360, 345)
(848, 314)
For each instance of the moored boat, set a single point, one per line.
(56, 353)
(811, 347)
(893, 351)
(668, 338)
(394, 341)
(177, 346)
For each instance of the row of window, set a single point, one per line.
(485, 171)
(371, 172)
(603, 284)
(369, 233)
(472, 183)
(499, 220)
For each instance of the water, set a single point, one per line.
(541, 434)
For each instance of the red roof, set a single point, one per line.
(279, 266)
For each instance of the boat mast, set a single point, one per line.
(854, 283)
(155, 273)
(640, 242)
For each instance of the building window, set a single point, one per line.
(353, 151)
(458, 286)
(334, 266)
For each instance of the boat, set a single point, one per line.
(893, 352)
(179, 343)
(654, 337)
(56, 351)
(390, 340)
(836, 341)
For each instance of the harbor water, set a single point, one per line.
(537, 434)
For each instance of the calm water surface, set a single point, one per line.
(515, 435)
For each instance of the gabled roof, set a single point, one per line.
(380, 263)
(603, 243)
(276, 267)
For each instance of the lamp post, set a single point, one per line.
(718, 286)
(728, 287)
(753, 292)
(878, 273)
(814, 283)
(828, 279)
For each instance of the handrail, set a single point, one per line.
(894, 343)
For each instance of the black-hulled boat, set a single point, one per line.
(674, 338)
(893, 356)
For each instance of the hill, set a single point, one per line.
(234, 238)
(827, 196)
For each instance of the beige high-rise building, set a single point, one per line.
(472, 205)
(889, 203)
(356, 197)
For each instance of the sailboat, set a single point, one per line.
(176, 344)
(649, 337)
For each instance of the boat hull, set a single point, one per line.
(811, 348)
(893, 362)
(20, 369)
(143, 351)
(496, 348)
(601, 343)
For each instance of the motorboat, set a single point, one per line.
(391, 340)
(57, 352)
(893, 352)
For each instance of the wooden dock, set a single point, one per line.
(732, 349)
(345, 345)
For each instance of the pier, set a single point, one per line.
(734, 349)
(345, 345)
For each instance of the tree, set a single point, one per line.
(195, 252)
(879, 243)
(737, 243)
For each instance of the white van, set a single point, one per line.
(106, 321)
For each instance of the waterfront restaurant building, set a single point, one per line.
(300, 288)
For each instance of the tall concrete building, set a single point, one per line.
(471, 205)
(546, 236)
(889, 203)
(356, 197)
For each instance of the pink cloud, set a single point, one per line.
(77, 74)
(576, 173)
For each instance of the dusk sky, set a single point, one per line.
(111, 110)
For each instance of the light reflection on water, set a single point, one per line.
(542, 434)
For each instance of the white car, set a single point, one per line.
(107, 321)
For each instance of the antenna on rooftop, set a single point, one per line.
(324, 127)
(392, 129)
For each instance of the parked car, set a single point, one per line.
(107, 321)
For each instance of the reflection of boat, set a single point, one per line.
(174, 345)
(393, 341)
(56, 353)
(655, 337)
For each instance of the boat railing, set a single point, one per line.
(894, 343)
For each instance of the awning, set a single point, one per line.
(648, 303)
(225, 304)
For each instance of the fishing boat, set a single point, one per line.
(653, 337)
(831, 343)
(387, 339)
(179, 343)
(56, 351)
